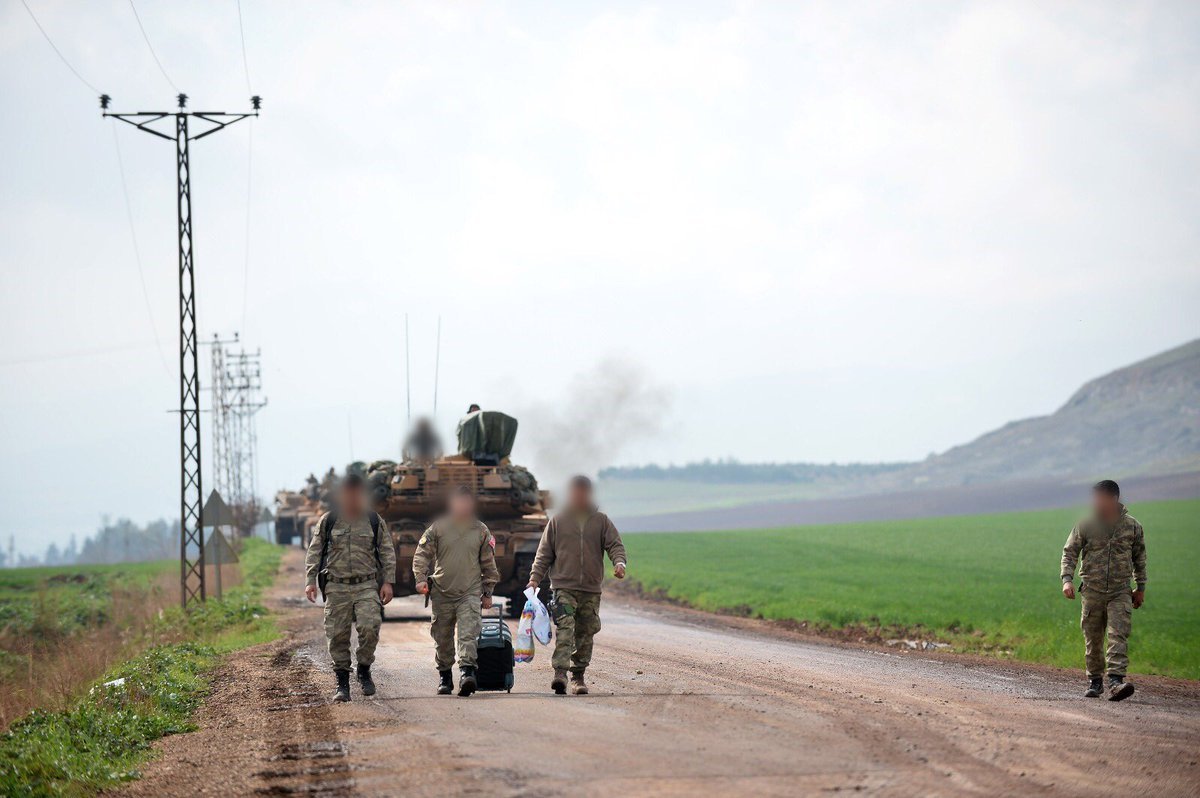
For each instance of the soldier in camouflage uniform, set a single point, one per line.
(351, 561)
(1111, 548)
(572, 551)
(455, 566)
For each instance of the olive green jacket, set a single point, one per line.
(1109, 555)
(352, 547)
(459, 558)
(573, 553)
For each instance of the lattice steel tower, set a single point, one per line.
(236, 400)
(191, 497)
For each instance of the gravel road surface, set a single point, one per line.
(682, 703)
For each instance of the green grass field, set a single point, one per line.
(105, 732)
(45, 606)
(983, 583)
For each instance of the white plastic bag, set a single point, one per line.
(541, 616)
(523, 644)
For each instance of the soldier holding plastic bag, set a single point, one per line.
(572, 551)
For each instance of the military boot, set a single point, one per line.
(578, 685)
(1118, 688)
(559, 683)
(1094, 689)
(365, 681)
(343, 688)
(446, 686)
(466, 681)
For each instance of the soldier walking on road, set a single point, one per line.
(572, 551)
(352, 562)
(455, 566)
(1111, 548)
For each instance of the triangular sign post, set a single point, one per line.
(218, 550)
(216, 513)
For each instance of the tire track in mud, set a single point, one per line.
(308, 759)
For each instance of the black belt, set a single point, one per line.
(353, 580)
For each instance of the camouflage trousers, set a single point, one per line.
(1101, 613)
(577, 618)
(454, 626)
(348, 606)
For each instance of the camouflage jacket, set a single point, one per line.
(352, 547)
(573, 552)
(459, 558)
(1109, 555)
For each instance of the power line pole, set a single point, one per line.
(244, 377)
(191, 537)
(223, 470)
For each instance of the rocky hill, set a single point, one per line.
(1143, 419)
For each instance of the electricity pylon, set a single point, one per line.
(191, 498)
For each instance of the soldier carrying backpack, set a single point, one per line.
(352, 563)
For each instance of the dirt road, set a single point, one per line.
(684, 703)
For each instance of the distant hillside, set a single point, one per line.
(1143, 419)
(732, 472)
(1139, 421)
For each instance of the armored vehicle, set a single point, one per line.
(411, 493)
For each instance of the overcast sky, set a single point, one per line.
(843, 231)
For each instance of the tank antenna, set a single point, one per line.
(407, 377)
(437, 361)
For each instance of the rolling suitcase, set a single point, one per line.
(494, 656)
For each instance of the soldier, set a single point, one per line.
(455, 566)
(572, 551)
(352, 562)
(423, 443)
(1111, 547)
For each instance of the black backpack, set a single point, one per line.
(327, 525)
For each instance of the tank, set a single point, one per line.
(409, 494)
(297, 512)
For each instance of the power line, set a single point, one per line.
(84, 353)
(137, 252)
(246, 250)
(245, 62)
(407, 378)
(57, 51)
(150, 46)
(249, 174)
(437, 362)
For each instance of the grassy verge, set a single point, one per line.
(60, 628)
(102, 738)
(981, 583)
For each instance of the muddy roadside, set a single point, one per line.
(266, 727)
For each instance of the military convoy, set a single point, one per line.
(409, 494)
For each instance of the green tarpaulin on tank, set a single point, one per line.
(486, 432)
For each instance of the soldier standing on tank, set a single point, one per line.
(352, 563)
(455, 566)
(1111, 548)
(572, 551)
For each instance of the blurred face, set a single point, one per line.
(462, 506)
(579, 497)
(1105, 504)
(352, 501)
